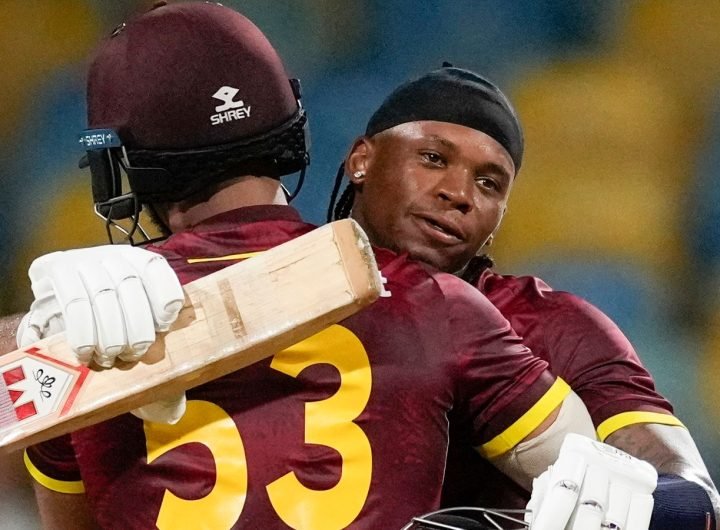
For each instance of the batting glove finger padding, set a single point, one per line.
(135, 307)
(593, 486)
(75, 303)
(109, 324)
(44, 319)
(558, 493)
(109, 299)
(162, 287)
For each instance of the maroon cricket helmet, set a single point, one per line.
(159, 79)
(196, 89)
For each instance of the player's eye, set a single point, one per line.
(432, 158)
(487, 183)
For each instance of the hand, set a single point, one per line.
(592, 486)
(111, 300)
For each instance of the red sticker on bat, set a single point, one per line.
(40, 385)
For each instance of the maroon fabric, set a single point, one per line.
(581, 345)
(155, 79)
(434, 345)
(51, 459)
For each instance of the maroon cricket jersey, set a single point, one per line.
(583, 347)
(346, 429)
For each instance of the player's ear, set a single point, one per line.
(357, 161)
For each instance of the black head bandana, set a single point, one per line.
(453, 95)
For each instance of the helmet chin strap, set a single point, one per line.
(301, 180)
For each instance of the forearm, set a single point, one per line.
(671, 450)
(541, 448)
(8, 327)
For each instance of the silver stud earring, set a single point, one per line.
(359, 174)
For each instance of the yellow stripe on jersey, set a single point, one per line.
(528, 422)
(230, 257)
(624, 419)
(61, 486)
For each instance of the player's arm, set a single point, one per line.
(684, 495)
(8, 327)
(63, 511)
(519, 412)
(539, 449)
(674, 454)
(59, 490)
(602, 366)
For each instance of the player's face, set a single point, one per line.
(433, 189)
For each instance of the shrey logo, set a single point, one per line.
(38, 387)
(230, 109)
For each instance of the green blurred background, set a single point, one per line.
(617, 200)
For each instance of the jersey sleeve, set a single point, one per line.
(590, 352)
(504, 391)
(53, 465)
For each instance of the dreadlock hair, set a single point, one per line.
(342, 209)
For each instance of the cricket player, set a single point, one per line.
(347, 429)
(423, 133)
(446, 228)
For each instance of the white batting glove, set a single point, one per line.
(110, 300)
(592, 486)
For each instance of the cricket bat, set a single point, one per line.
(231, 319)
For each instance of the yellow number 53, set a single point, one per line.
(329, 422)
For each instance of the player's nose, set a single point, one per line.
(455, 189)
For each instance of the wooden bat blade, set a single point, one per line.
(232, 318)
